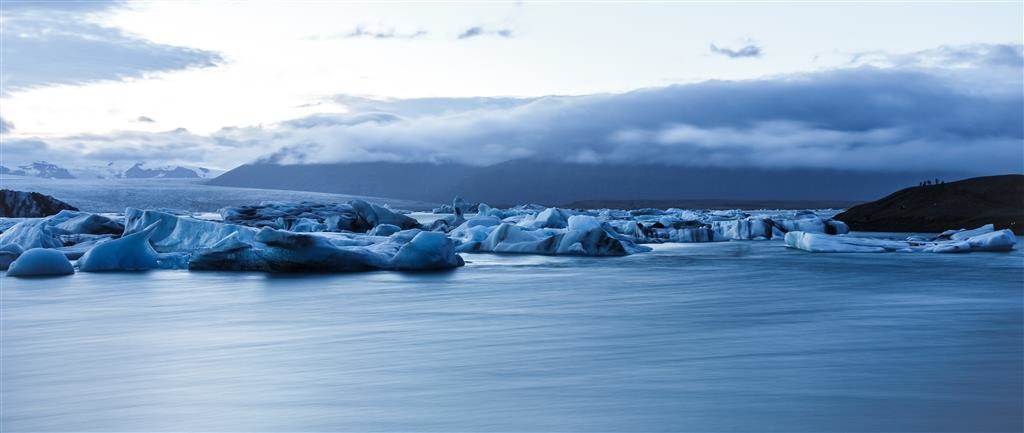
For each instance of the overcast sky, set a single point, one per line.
(870, 85)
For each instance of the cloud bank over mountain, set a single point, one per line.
(954, 108)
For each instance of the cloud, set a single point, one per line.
(864, 117)
(47, 43)
(749, 50)
(144, 119)
(969, 56)
(5, 126)
(476, 31)
(362, 32)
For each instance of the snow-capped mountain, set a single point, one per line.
(142, 170)
(138, 170)
(39, 169)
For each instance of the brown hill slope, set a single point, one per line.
(967, 203)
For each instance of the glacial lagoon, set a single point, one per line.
(730, 336)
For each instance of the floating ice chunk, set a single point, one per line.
(356, 215)
(129, 253)
(983, 240)
(583, 223)
(375, 215)
(960, 235)
(33, 233)
(8, 253)
(587, 236)
(822, 243)
(40, 261)
(182, 233)
(742, 229)
(551, 217)
(949, 247)
(482, 221)
(307, 225)
(85, 223)
(384, 230)
(804, 221)
(426, 251)
(282, 251)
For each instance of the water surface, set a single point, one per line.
(736, 336)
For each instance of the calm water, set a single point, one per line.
(740, 336)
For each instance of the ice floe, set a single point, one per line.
(40, 262)
(984, 238)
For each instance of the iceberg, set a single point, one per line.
(129, 253)
(85, 223)
(64, 229)
(984, 238)
(384, 230)
(580, 235)
(33, 233)
(355, 216)
(176, 233)
(426, 251)
(40, 262)
(283, 251)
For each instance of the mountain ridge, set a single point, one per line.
(556, 183)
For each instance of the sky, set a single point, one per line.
(870, 85)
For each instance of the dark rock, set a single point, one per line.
(967, 203)
(22, 204)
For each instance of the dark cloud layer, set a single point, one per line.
(966, 118)
(49, 43)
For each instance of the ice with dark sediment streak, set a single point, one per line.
(86, 223)
(282, 251)
(224, 246)
(984, 238)
(355, 216)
